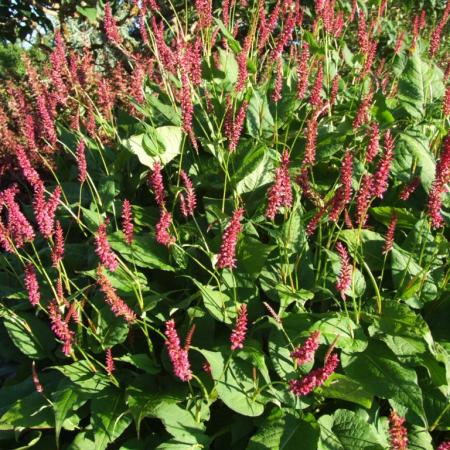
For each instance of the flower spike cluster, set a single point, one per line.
(345, 275)
(227, 254)
(280, 194)
(237, 337)
(398, 432)
(107, 257)
(178, 355)
(305, 353)
(315, 378)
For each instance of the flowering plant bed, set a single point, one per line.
(227, 227)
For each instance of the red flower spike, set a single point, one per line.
(58, 246)
(188, 203)
(109, 24)
(237, 337)
(305, 353)
(303, 71)
(398, 432)
(345, 275)
(389, 240)
(32, 285)
(438, 188)
(81, 162)
(107, 257)
(117, 305)
(127, 222)
(409, 189)
(315, 93)
(177, 355)
(163, 236)
(60, 327)
(109, 362)
(227, 254)
(280, 193)
(373, 147)
(381, 176)
(156, 182)
(444, 446)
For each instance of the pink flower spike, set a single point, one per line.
(227, 254)
(305, 353)
(58, 245)
(303, 71)
(372, 149)
(109, 362)
(163, 236)
(444, 446)
(60, 327)
(31, 285)
(389, 241)
(237, 337)
(315, 93)
(127, 222)
(111, 30)
(345, 275)
(409, 189)
(177, 355)
(117, 305)
(384, 166)
(280, 193)
(398, 432)
(102, 248)
(157, 184)
(188, 203)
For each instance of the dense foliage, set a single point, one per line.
(226, 226)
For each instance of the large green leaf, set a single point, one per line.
(285, 432)
(144, 251)
(259, 119)
(161, 144)
(83, 375)
(379, 372)
(345, 388)
(65, 400)
(413, 147)
(412, 86)
(234, 383)
(219, 304)
(255, 169)
(412, 282)
(346, 430)
(29, 334)
(109, 417)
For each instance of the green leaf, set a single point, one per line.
(82, 375)
(405, 218)
(412, 282)
(285, 433)
(164, 145)
(234, 44)
(145, 401)
(345, 388)
(228, 65)
(403, 331)
(65, 401)
(346, 430)
(108, 417)
(255, 169)
(411, 87)
(220, 305)
(379, 372)
(31, 411)
(413, 147)
(259, 119)
(252, 255)
(141, 361)
(89, 13)
(234, 384)
(144, 251)
(29, 334)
